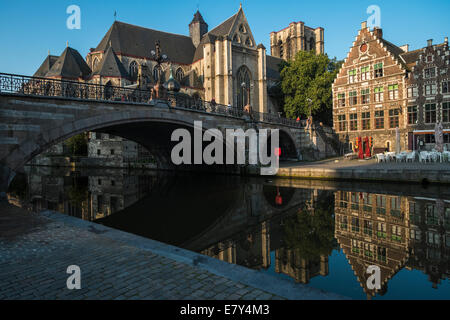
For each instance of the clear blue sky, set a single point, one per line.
(28, 29)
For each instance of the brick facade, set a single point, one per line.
(370, 93)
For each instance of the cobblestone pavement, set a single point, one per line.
(33, 264)
(366, 164)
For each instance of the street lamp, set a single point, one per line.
(159, 58)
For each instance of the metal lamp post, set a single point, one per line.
(160, 59)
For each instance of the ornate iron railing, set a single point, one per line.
(36, 86)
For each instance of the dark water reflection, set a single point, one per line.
(318, 233)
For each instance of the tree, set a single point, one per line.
(77, 145)
(309, 76)
(311, 232)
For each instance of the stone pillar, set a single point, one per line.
(208, 67)
(219, 71)
(262, 81)
(228, 73)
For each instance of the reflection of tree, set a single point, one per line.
(77, 195)
(311, 232)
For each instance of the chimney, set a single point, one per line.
(430, 42)
(363, 25)
(378, 32)
(405, 47)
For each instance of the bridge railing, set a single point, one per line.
(37, 86)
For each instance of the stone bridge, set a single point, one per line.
(36, 114)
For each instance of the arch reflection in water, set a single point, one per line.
(315, 233)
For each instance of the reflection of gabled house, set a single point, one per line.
(372, 229)
(430, 237)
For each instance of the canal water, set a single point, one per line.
(322, 234)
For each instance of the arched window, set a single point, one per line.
(242, 29)
(236, 39)
(312, 44)
(157, 72)
(95, 64)
(243, 86)
(133, 70)
(179, 75)
(248, 42)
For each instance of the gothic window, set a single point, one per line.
(95, 64)
(133, 70)
(242, 29)
(157, 73)
(243, 86)
(236, 39)
(248, 42)
(179, 75)
(312, 44)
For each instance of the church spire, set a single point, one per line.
(197, 28)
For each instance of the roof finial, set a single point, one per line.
(48, 51)
(240, 5)
(67, 44)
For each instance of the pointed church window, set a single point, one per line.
(248, 42)
(133, 70)
(179, 75)
(236, 39)
(243, 86)
(95, 64)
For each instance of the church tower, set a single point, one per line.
(197, 28)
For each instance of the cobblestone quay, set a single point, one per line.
(367, 170)
(36, 249)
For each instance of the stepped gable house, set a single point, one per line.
(381, 87)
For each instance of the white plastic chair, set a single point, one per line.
(423, 156)
(411, 156)
(380, 157)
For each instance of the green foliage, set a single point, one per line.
(309, 76)
(77, 145)
(77, 194)
(311, 232)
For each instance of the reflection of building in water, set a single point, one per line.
(64, 194)
(109, 194)
(251, 249)
(291, 263)
(88, 198)
(372, 229)
(430, 237)
(261, 232)
(393, 232)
